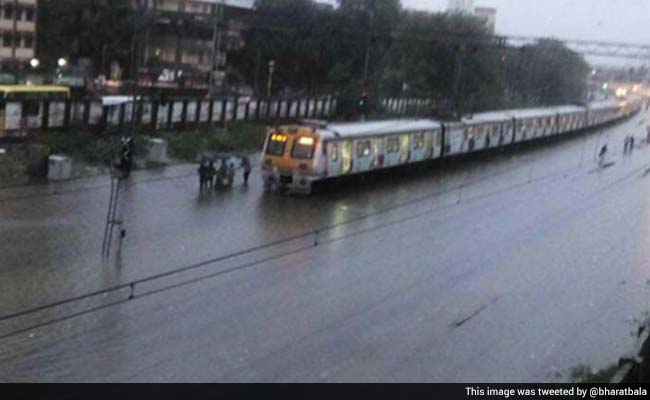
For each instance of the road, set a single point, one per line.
(512, 267)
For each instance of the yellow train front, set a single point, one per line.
(291, 158)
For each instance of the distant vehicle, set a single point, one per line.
(297, 156)
(22, 105)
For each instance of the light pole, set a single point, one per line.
(270, 83)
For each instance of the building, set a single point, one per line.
(183, 36)
(461, 6)
(489, 16)
(18, 31)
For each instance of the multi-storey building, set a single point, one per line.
(183, 36)
(18, 31)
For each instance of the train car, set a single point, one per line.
(533, 123)
(602, 112)
(489, 130)
(570, 118)
(296, 156)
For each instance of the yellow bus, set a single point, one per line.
(21, 106)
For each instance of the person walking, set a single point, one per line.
(626, 144)
(246, 165)
(632, 140)
(601, 156)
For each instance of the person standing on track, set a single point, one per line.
(231, 174)
(211, 174)
(202, 171)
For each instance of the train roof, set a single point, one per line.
(488, 116)
(603, 105)
(568, 109)
(361, 129)
(532, 112)
(505, 115)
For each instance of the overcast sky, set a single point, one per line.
(603, 20)
(607, 20)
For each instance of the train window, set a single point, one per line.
(276, 144)
(438, 138)
(418, 140)
(303, 147)
(30, 108)
(334, 152)
(363, 148)
(392, 145)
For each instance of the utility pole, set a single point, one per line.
(216, 46)
(458, 77)
(270, 81)
(135, 64)
(371, 20)
(366, 64)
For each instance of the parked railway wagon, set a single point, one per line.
(297, 156)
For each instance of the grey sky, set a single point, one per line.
(606, 20)
(602, 20)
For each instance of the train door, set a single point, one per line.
(429, 139)
(378, 152)
(363, 159)
(419, 148)
(333, 158)
(455, 137)
(346, 157)
(470, 139)
(437, 143)
(405, 148)
(391, 153)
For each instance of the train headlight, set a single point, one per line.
(306, 141)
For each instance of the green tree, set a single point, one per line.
(550, 73)
(99, 30)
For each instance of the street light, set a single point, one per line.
(34, 63)
(271, 70)
(62, 62)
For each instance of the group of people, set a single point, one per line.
(628, 144)
(211, 177)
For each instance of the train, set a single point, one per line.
(297, 156)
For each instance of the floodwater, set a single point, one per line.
(510, 267)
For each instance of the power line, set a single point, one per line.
(131, 285)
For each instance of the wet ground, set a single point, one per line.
(512, 267)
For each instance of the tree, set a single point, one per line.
(99, 30)
(444, 56)
(551, 74)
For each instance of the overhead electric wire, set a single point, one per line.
(131, 285)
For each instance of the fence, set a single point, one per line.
(24, 116)
(409, 106)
